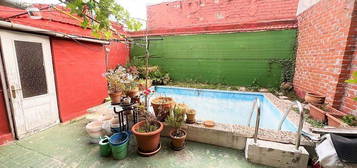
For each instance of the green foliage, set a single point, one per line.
(150, 123)
(353, 81)
(254, 86)
(175, 118)
(308, 119)
(350, 119)
(288, 68)
(103, 11)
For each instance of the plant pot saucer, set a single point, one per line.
(147, 154)
(177, 148)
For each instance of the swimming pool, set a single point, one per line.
(226, 107)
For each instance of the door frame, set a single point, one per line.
(7, 89)
(7, 99)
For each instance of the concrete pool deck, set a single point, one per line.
(66, 145)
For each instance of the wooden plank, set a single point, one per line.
(345, 131)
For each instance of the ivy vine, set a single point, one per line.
(288, 68)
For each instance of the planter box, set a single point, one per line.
(335, 121)
(334, 118)
(317, 114)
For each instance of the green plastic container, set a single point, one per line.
(119, 144)
(104, 147)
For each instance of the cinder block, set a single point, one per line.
(276, 154)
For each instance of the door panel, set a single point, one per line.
(29, 70)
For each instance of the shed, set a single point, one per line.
(51, 69)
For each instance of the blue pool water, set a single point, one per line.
(228, 107)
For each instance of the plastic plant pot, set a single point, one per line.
(104, 147)
(119, 144)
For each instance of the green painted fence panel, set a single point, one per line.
(232, 58)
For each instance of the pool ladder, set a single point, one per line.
(257, 105)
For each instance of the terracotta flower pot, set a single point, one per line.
(162, 106)
(191, 114)
(334, 120)
(314, 99)
(317, 114)
(147, 142)
(116, 97)
(178, 142)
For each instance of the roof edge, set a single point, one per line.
(20, 27)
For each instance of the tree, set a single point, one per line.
(103, 12)
(99, 15)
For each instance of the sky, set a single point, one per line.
(136, 8)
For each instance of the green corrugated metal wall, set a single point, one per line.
(233, 58)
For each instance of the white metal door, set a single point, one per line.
(28, 65)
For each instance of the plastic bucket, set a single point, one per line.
(104, 147)
(119, 144)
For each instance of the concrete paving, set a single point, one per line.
(67, 145)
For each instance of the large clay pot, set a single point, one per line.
(162, 106)
(178, 143)
(316, 113)
(147, 141)
(116, 97)
(314, 99)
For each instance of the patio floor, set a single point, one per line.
(66, 145)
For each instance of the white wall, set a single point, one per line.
(304, 5)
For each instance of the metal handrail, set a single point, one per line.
(251, 113)
(256, 105)
(301, 122)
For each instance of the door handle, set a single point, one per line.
(13, 91)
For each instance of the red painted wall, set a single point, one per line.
(78, 70)
(326, 53)
(79, 81)
(206, 13)
(5, 133)
(118, 54)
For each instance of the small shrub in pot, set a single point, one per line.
(178, 135)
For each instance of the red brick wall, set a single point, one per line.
(205, 13)
(324, 53)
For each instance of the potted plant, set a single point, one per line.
(115, 85)
(314, 98)
(178, 135)
(190, 114)
(131, 89)
(147, 133)
(162, 106)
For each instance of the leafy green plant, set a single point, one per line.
(288, 68)
(350, 119)
(176, 119)
(150, 123)
(254, 86)
(100, 14)
(353, 81)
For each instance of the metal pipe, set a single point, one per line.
(20, 27)
(301, 123)
(257, 122)
(284, 117)
(251, 113)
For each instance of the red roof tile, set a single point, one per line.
(52, 19)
